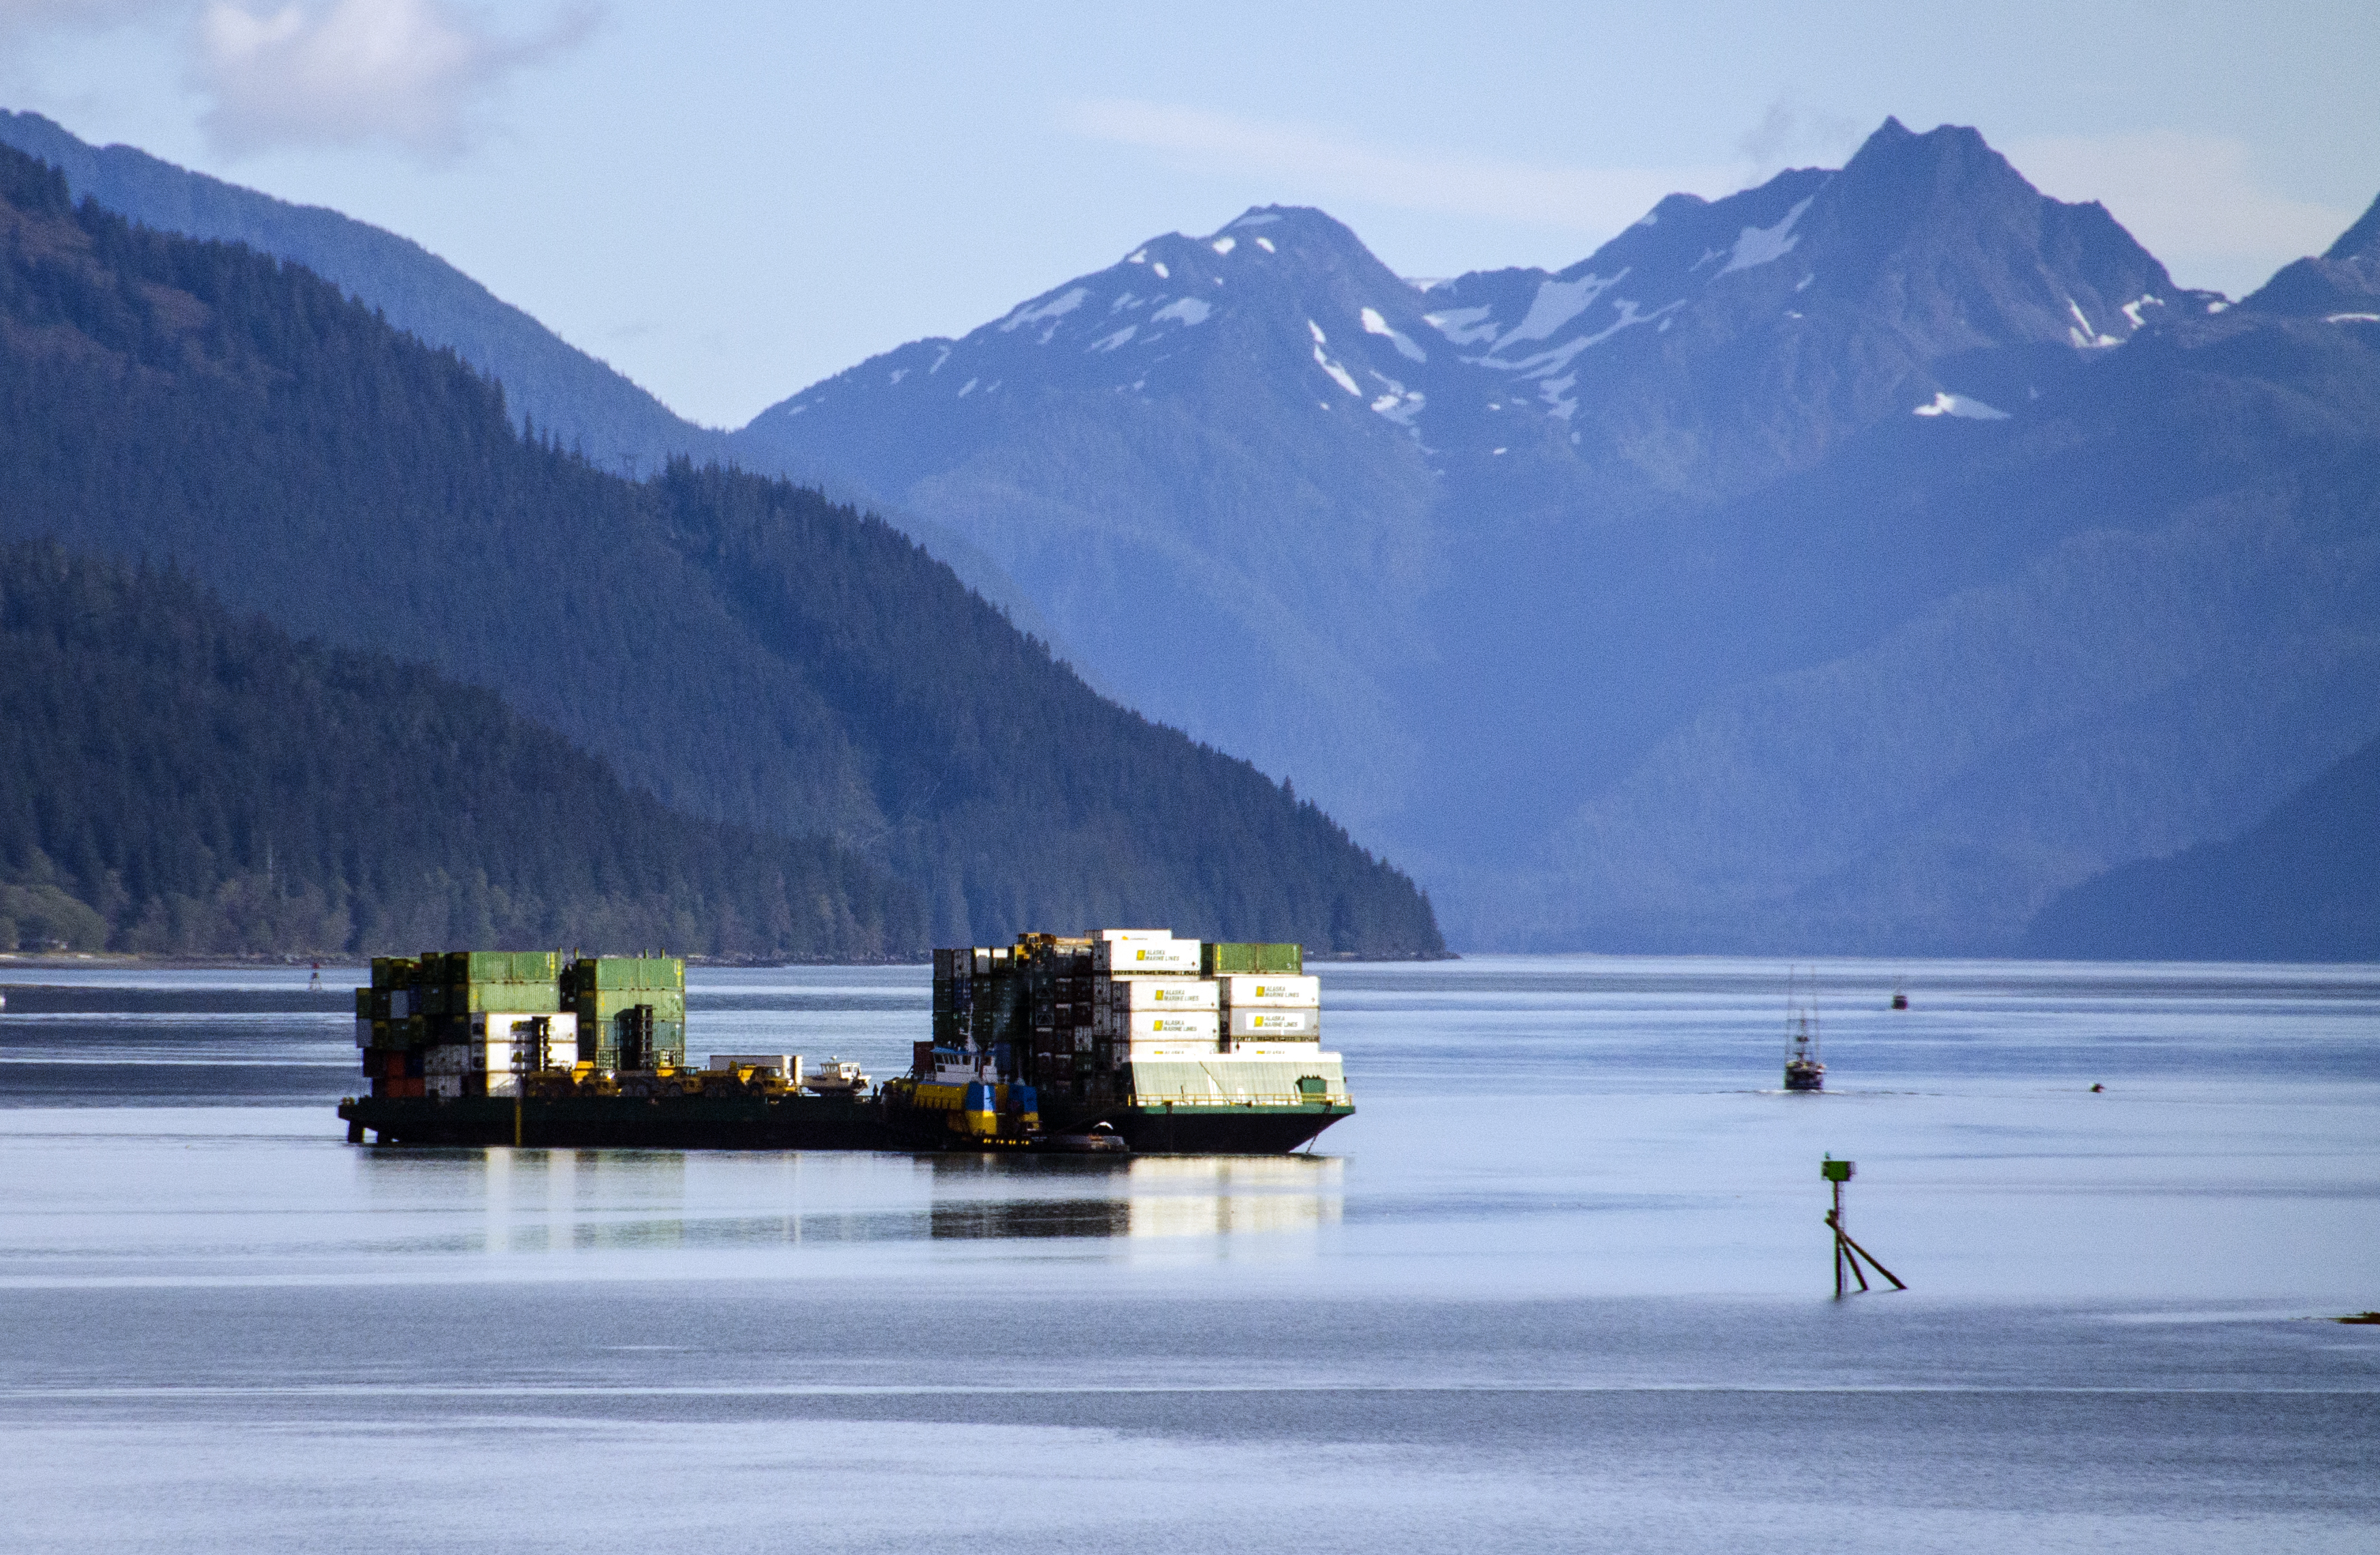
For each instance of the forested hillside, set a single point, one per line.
(183, 780)
(743, 649)
(2302, 884)
(581, 403)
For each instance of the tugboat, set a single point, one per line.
(1803, 1070)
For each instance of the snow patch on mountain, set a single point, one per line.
(1056, 308)
(1465, 325)
(1948, 404)
(1338, 374)
(1375, 324)
(1189, 310)
(1224, 245)
(1556, 304)
(1547, 363)
(1756, 246)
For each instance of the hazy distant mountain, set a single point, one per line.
(2302, 884)
(2345, 280)
(744, 650)
(580, 400)
(1819, 567)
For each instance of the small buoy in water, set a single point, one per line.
(2096, 1088)
(1900, 999)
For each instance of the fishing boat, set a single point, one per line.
(1803, 1069)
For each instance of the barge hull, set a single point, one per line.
(804, 1123)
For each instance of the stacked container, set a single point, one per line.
(1089, 1018)
(392, 1027)
(1058, 983)
(1262, 1009)
(630, 1011)
(471, 1023)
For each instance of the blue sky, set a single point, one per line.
(728, 201)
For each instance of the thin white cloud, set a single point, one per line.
(2192, 199)
(415, 72)
(1305, 161)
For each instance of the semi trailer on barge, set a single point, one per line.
(1123, 1038)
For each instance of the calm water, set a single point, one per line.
(1560, 1285)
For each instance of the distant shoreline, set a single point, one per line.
(129, 960)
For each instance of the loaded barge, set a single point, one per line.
(1128, 1039)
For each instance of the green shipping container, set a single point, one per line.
(500, 966)
(1224, 958)
(622, 972)
(609, 1005)
(515, 998)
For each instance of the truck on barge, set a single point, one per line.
(1124, 1038)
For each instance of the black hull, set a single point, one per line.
(805, 1123)
(791, 1123)
(1225, 1131)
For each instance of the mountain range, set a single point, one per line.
(742, 650)
(1856, 563)
(1852, 562)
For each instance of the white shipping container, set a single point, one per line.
(1170, 957)
(1141, 1025)
(1132, 936)
(509, 1032)
(448, 1086)
(1263, 1022)
(1270, 991)
(1155, 993)
(448, 1058)
(363, 1031)
(1179, 1047)
(787, 1064)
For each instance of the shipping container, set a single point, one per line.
(1223, 956)
(523, 998)
(1141, 1025)
(1155, 993)
(607, 973)
(1274, 1023)
(501, 966)
(1271, 992)
(1307, 1077)
(787, 1064)
(1166, 957)
(539, 1041)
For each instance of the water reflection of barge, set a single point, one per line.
(1173, 1046)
